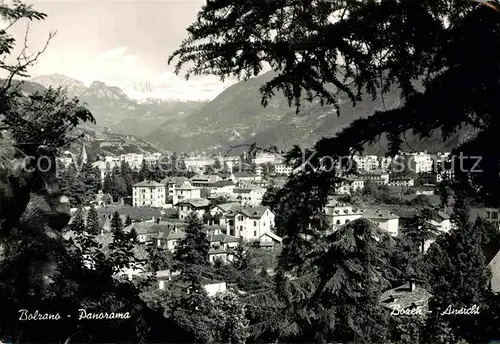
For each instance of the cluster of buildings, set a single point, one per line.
(173, 190)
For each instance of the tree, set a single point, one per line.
(128, 221)
(116, 224)
(93, 222)
(108, 183)
(420, 229)
(194, 308)
(144, 172)
(78, 224)
(231, 325)
(426, 71)
(39, 269)
(159, 258)
(217, 165)
(191, 253)
(127, 177)
(458, 276)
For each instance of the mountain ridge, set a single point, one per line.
(236, 118)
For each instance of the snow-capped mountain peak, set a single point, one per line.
(73, 87)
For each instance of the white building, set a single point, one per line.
(338, 214)
(265, 158)
(179, 188)
(134, 160)
(418, 162)
(197, 205)
(249, 223)
(198, 162)
(283, 169)
(222, 188)
(249, 194)
(384, 219)
(402, 182)
(148, 194)
(366, 162)
(220, 211)
(345, 187)
(377, 178)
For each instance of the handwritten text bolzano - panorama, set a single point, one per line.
(82, 315)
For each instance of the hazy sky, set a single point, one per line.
(117, 42)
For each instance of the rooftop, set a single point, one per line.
(252, 212)
(177, 181)
(195, 202)
(403, 297)
(379, 214)
(148, 183)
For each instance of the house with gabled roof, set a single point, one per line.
(407, 299)
(249, 223)
(198, 205)
(385, 219)
(221, 247)
(148, 194)
(269, 240)
(219, 211)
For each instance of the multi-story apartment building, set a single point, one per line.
(283, 169)
(148, 194)
(134, 160)
(378, 178)
(187, 206)
(402, 182)
(367, 162)
(249, 223)
(179, 188)
(198, 162)
(249, 194)
(417, 162)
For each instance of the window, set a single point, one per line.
(338, 222)
(255, 223)
(494, 215)
(241, 228)
(254, 233)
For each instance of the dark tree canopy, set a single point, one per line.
(441, 54)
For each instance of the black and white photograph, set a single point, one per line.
(250, 171)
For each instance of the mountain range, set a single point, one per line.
(234, 118)
(237, 118)
(113, 108)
